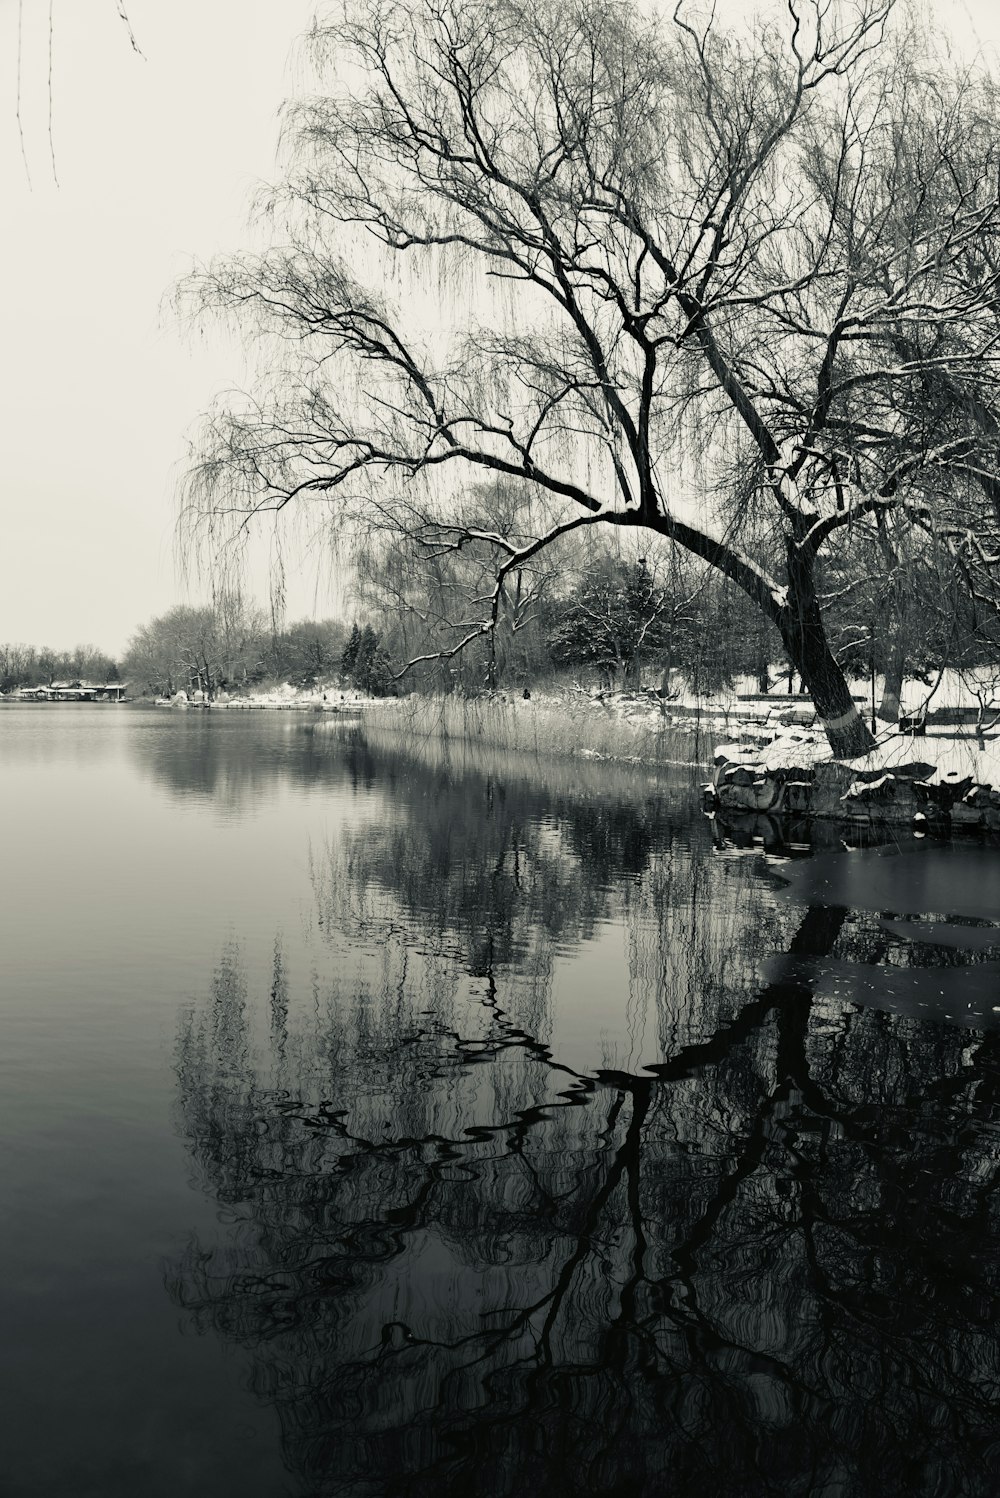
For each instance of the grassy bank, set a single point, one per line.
(545, 726)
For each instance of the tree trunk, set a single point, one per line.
(895, 660)
(665, 673)
(804, 636)
(761, 641)
(888, 708)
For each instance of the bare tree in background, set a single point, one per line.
(209, 646)
(429, 597)
(738, 288)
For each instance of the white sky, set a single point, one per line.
(157, 158)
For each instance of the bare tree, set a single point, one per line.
(210, 646)
(433, 595)
(764, 257)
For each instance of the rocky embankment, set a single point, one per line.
(943, 779)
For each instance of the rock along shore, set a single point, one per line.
(943, 780)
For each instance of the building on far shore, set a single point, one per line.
(71, 691)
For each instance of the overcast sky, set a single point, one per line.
(157, 157)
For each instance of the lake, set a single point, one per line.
(388, 1117)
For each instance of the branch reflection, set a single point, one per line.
(763, 1263)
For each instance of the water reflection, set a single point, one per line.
(922, 938)
(228, 759)
(748, 1245)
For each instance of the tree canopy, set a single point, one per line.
(618, 616)
(230, 643)
(736, 287)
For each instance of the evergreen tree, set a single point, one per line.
(617, 618)
(367, 648)
(380, 674)
(349, 659)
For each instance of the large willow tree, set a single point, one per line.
(736, 287)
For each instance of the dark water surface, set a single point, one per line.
(384, 1119)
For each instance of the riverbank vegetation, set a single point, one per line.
(571, 724)
(615, 660)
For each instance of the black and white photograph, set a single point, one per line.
(500, 749)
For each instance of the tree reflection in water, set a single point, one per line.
(766, 1264)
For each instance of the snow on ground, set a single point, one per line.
(953, 755)
(773, 732)
(947, 752)
(952, 689)
(330, 698)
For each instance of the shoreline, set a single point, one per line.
(763, 755)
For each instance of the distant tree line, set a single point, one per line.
(230, 645)
(29, 666)
(602, 613)
(614, 613)
(606, 613)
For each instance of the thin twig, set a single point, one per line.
(20, 125)
(128, 27)
(52, 145)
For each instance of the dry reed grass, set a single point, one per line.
(541, 726)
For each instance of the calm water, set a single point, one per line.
(379, 1120)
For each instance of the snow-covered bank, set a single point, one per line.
(769, 755)
(329, 699)
(940, 777)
